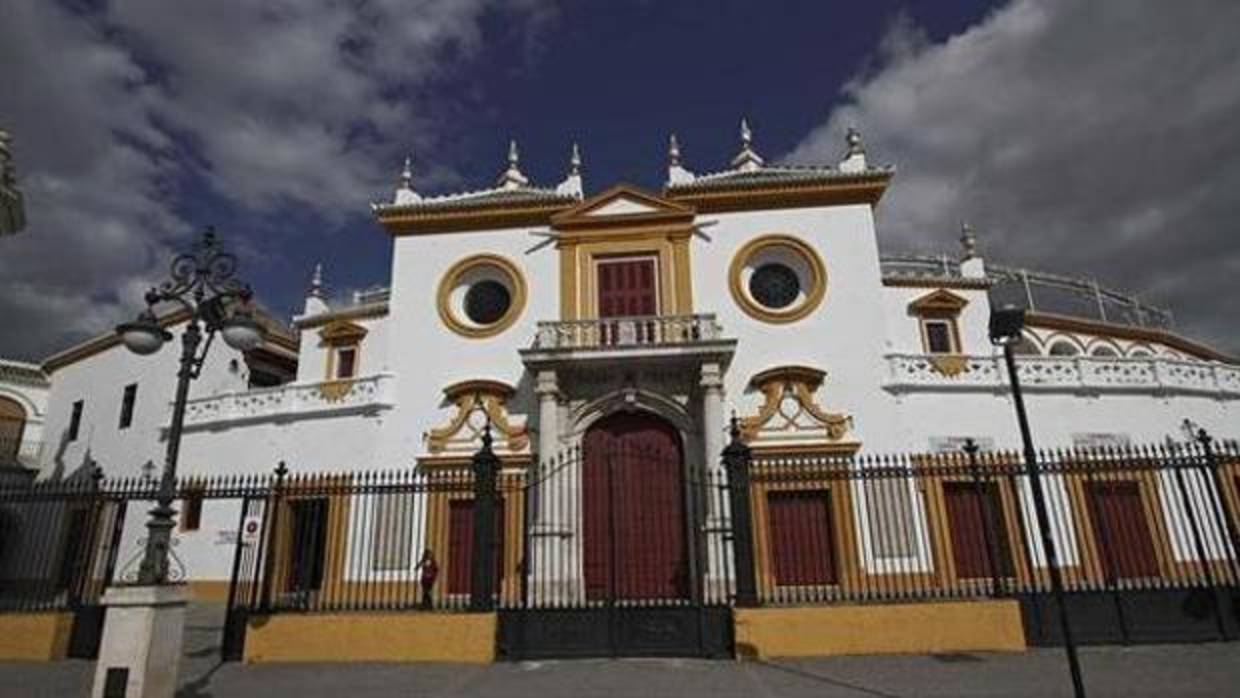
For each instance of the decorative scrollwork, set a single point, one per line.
(130, 571)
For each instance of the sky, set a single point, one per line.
(1095, 138)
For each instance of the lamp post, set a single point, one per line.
(202, 282)
(1005, 332)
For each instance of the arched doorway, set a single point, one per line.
(633, 509)
(12, 426)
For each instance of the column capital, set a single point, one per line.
(712, 377)
(545, 383)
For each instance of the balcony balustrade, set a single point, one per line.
(647, 330)
(292, 401)
(1085, 374)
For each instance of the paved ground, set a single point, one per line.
(1133, 672)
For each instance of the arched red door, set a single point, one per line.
(633, 509)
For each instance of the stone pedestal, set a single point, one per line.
(142, 633)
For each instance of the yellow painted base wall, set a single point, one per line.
(372, 637)
(915, 628)
(209, 590)
(35, 636)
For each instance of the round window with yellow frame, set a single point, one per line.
(481, 296)
(777, 278)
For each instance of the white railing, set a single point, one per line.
(292, 400)
(619, 332)
(910, 372)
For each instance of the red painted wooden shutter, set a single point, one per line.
(461, 545)
(1121, 531)
(802, 545)
(966, 514)
(626, 287)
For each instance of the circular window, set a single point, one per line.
(777, 278)
(487, 301)
(774, 285)
(481, 296)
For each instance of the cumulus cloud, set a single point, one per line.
(1091, 138)
(124, 112)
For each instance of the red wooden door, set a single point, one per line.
(461, 545)
(633, 510)
(626, 287)
(1121, 531)
(968, 510)
(802, 544)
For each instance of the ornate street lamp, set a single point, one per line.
(202, 283)
(1005, 331)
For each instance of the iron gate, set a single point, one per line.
(624, 553)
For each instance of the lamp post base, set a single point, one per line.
(140, 653)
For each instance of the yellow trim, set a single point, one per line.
(449, 279)
(492, 397)
(662, 233)
(38, 636)
(402, 636)
(867, 188)
(814, 294)
(209, 590)
(580, 255)
(911, 628)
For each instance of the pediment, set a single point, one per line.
(940, 301)
(342, 332)
(622, 205)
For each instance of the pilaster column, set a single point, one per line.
(712, 416)
(555, 554)
(548, 392)
(716, 523)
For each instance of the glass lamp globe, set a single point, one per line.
(143, 336)
(242, 332)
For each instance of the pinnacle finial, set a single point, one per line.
(574, 161)
(747, 159)
(968, 241)
(316, 281)
(856, 146)
(404, 189)
(673, 151)
(512, 177)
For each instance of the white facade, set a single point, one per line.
(23, 409)
(850, 354)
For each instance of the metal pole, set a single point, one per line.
(737, 459)
(482, 577)
(154, 567)
(1044, 523)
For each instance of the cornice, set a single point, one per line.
(959, 283)
(277, 337)
(357, 312)
(745, 196)
(460, 218)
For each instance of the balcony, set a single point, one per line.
(1078, 374)
(362, 395)
(647, 336)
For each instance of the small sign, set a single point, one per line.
(251, 530)
(226, 537)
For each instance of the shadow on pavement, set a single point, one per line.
(838, 683)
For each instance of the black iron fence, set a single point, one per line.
(617, 527)
(832, 529)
